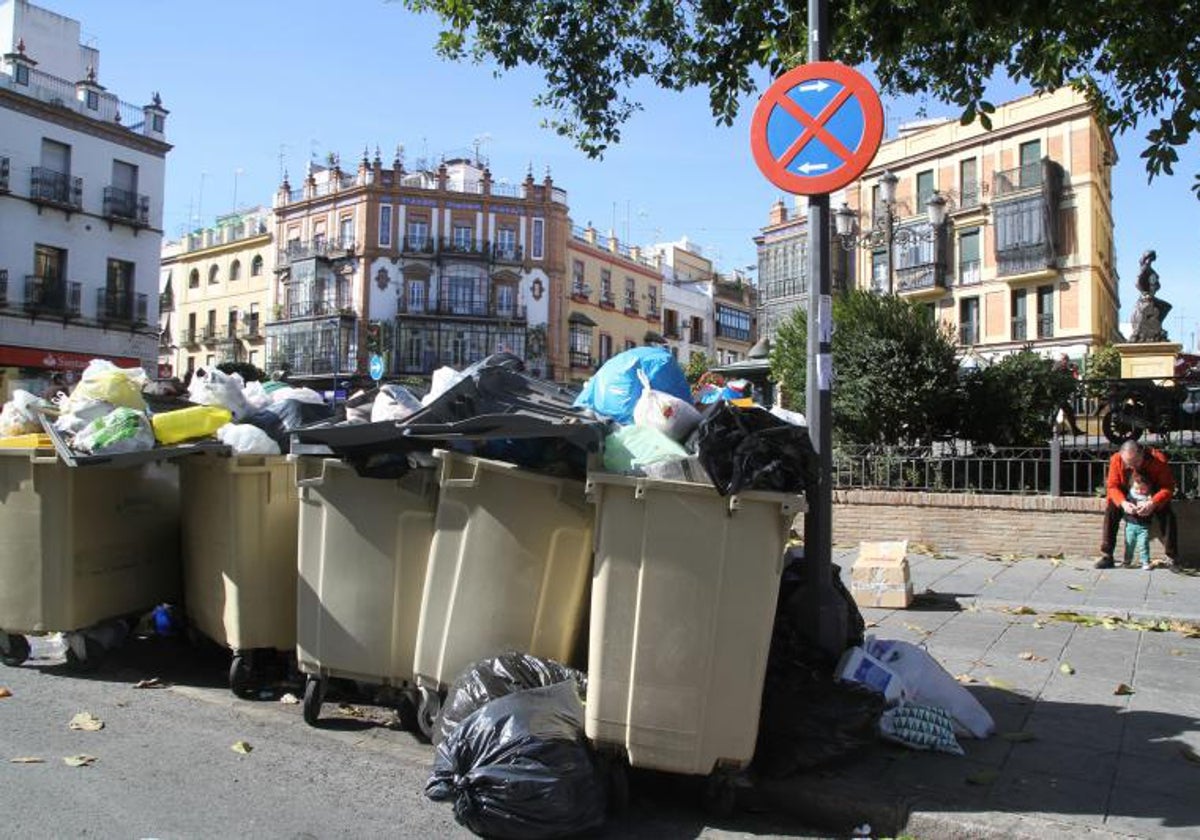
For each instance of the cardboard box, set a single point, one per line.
(879, 577)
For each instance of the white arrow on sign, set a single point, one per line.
(818, 86)
(812, 167)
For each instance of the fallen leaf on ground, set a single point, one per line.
(1019, 737)
(27, 759)
(1038, 625)
(916, 628)
(121, 704)
(1190, 754)
(983, 777)
(872, 624)
(242, 747)
(1066, 668)
(153, 682)
(351, 711)
(1122, 689)
(964, 678)
(998, 683)
(1022, 611)
(290, 699)
(1008, 558)
(86, 722)
(1185, 629)
(921, 548)
(1176, 652)
(4, 692)
(79, 760)
(1075, 586)
(1030, 656)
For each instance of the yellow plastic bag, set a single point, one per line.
(197, 421)
(105, 382)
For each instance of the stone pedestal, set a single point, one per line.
(1148, 359)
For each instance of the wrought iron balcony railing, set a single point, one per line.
(114, 305)
(580, 359)
(969, 273)
(916, 278)
(968, 333)
(1045, 326)
(56, 188)
(331, 249)
(51, 296)
(1020, 329)
(1020, 178)
(125, 206)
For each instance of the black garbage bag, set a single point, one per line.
(496, 677)
(752, 449)
(295, 414)
(808, 719)
(520, 768)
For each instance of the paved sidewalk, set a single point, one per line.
(1072, 757)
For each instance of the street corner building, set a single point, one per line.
(81, 206)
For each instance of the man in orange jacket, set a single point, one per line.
(1152, 465)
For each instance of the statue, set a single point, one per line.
(1149, 312)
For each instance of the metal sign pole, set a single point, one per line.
(818, 523)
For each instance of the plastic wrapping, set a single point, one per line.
(520, 768)
(499, 676)
(750, 449)
(614, 390)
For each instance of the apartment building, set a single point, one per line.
(687, 320)
(429, 267)
(215, 293)
(614, 300)
(1004, 235)
(734, 320)
(81, 206)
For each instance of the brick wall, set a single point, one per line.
(979, 523)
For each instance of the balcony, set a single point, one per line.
(607, 301)
(1045, 325)
(4, 170)
(302, 309)
(56, 189)
(1020, 329)
(580, 359)
(128, 207)
(208, 334)
(653, 313)
(51, 296)
(252, 331)
(464, 306)
(462, 248)
(166, 302)
(328, 249)
(417, 245)
(631, 306)
(227, 335)
(1019, 179)
(920, 278)
(191, 337)
(697, 338)
(671, 332)
(115, 306)
(507, 253)
(970, 273)
(968, 333)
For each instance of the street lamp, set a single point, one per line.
(885, 231)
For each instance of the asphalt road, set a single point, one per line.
(165, 766)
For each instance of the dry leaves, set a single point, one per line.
(79, 760)
(916, 628)
(27, 759)
(153, 682)
(1075, 586)
(998, 683)
(1122, 690)
(1030, 656)
(965, 679)
(242, 747)
(4, 692)
(1021, 611)
(86, 722)
(350, 711)
(290, 699)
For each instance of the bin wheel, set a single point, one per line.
(406, 711)
(314, 696)
(14, 649)
(93, 654)
(720, 795)
(242, 676)
(428, 707)
(617, 773)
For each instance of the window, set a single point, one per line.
(581, 346)
(924, 191)
(696, 330)
(670, 323)
(418, 234)
(252, 321)
(606, 347)
(231, 322)
(156, 123)
(22, 74)
(968, 183)
(877, 208)
(254, 358)
(732, 323)
(210, 329)
(191, 363)
(1018, 315)
(968, 257)
(968, 320)
(235, 270)
(1022, 242)
(464, 239)
(506, 300)
(539, 236)
(56, 156)
(256, 266)
(631, 302)
(506, 243)
(1031, 163)
(1045, 312)
(347, 232)
(194, 279)
(606, 293)
(213, 275)
(416, 296)
(190, 338)
(577, 278)
(879, 272)
(385, 226)
(652, 298)
(93, 100)
(118, 290)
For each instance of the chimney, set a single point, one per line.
(779, 213)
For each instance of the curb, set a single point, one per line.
(1134, 614)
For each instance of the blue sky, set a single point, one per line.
(246, 82)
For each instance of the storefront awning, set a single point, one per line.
(581, 319)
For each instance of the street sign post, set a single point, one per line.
(375, 367)
(815, 130)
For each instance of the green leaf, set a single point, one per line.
(1066, 668)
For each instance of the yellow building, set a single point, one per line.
(613, 300)
(1025, 252)
(214, 293)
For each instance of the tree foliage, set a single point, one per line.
(1103, 364)
(247, 371)
(698, 364)
(895, 369)
(1013, 401)
(1134, 58)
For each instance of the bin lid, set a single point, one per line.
(126, 459)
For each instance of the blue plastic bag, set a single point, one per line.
(615, 388)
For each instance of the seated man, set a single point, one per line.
(1129, 459)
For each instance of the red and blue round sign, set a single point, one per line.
(817, 128)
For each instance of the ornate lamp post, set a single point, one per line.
(885, 231)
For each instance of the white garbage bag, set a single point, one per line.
(104, 382)
(121, 430)
(674, 417)
(927, 683)
(395, 402)
(210, 386)
(17, 417)
(245, 439)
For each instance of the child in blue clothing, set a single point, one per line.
(1137, 528)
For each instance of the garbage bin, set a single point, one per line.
(683, 602)
(239, 558)
(81, 545)
(363, 547)
(508, 570)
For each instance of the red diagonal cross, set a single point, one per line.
(814, 127)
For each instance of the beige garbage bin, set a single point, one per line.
(682, 608)
(508, 570)
(362, 552)
(80, 545)
(239, 558)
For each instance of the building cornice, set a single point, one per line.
(112, 132)
(223, 248)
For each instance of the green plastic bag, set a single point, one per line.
(633, 447)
